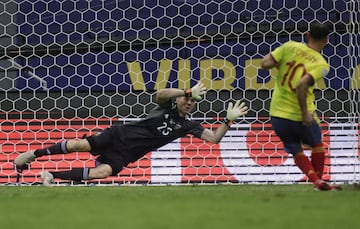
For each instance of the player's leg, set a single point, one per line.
(290, 133)
(307, 168)
(109, 162)
(318, 159)
(77, 174)
(100, 172)
(313, 137)
(304, 164)
(64, 147)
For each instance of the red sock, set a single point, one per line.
(318, 159)
(306, 167)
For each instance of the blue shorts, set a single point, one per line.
(294, 134)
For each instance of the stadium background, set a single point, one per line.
(73, 67)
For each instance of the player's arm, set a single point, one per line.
(274, 58)
(233, 112)
(164, 95)
(301, 92)
(268, 62)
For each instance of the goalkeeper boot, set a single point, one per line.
(321, 185)
(47, 178)
(22, 161)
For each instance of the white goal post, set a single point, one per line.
(70, 68)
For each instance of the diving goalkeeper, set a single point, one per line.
(119, 145)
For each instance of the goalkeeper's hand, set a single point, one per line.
(235, 111)
(196, 91)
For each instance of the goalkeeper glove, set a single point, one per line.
(235, 111)
(196, 91)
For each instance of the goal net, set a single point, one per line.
(70, 68)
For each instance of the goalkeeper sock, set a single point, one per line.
(305, 165)
(77, 174)
(59, 148)
(318, 159)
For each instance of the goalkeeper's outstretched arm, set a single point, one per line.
(233, 112)
(164, 95)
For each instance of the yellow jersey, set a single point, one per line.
(295, 60)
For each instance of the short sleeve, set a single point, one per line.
(195, 129)
(277, 54)
(320, 71)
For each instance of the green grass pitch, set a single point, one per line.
(157, 207)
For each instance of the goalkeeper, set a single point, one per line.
(292, 107)
(118, 145)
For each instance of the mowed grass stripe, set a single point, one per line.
(218, 206)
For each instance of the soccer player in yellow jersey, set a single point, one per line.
(292, 107)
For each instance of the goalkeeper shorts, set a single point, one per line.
(109, 149)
